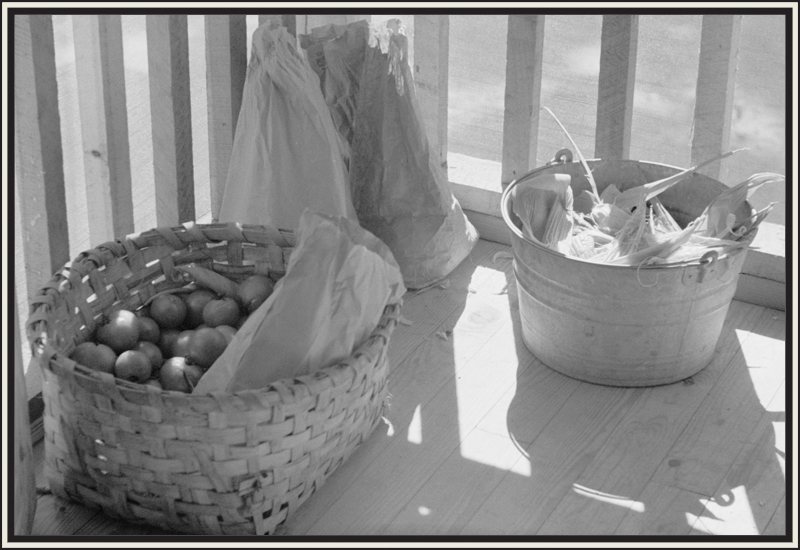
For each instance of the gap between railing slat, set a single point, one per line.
(431, 70)
(171, 116)
(104, 124)
(38, 161)
(716, 82)
(616, 83)
(226, 67)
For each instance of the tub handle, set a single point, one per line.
(710, 267)
(562, 156)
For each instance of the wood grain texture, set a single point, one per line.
(171, 117)
(724, 422)
(753, 488)
(432, 36)
(611, 484)
(716, 82)
(777, 525)
(665, 512)
(433, 306)
(415, 380)
(38, 160)
(418, 452)
(482, 439)
(104, 125)
(454, 492)
(525, 51)
(557, 456)
(226, 67)
(615, 86)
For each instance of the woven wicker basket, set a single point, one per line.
(219, 464)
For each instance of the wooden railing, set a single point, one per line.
(38, 157)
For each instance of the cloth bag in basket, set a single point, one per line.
(400, 191)
(337, 284)
(286, 156)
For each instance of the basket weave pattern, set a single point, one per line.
(218, 464)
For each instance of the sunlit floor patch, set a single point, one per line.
(766, 363)
(495, 450)
(415, 428)
(609, 498)
(731, 515)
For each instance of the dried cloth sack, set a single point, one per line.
(286, 156)
(338, 281)
(400, 190)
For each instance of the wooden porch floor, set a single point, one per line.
(483, 439)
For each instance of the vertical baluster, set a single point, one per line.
(24, 496)
(431, 71)
(38, 161)
(348, 18)
(616, 85)
(313, 21)
(716, 80)
(104, 124)
(523, 94)
(226, 65)
(288, 21)
(171, 114)
(264, 17)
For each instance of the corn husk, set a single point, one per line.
(633, 196)
(656, 254)
(757, 219)
(558, 233)
(697, 245)
(627, 239)
(594, 194)
(533, 200)
(662, 220)
(717, 215)
(609, 218)
(610, 193)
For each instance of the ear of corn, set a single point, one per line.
(633, 227)
(534, 201)
(558, 233)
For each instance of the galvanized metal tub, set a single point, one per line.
(624, 325)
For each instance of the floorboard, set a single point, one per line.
(482, 439)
